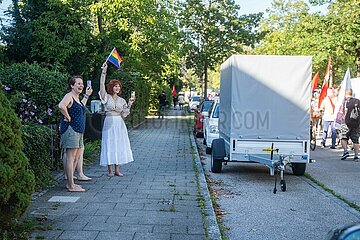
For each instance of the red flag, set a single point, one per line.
(325, 85)
(173, 92)
(315, 81)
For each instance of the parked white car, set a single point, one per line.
(211, 130)
(194, 103)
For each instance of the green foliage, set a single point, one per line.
(16, 179)
(53, 33)
(145, 33)
(319, 2)
(37, 148)
(23, 230)
(292, 30)
(91, 152)
(213, 31)
(42, 87)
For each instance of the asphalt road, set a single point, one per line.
(304, 211)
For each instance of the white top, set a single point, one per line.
(115, 107)
(181, 99)
(328, 109)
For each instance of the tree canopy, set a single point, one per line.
(293, 30)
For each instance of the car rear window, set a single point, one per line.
(207, 106)
(215, 113)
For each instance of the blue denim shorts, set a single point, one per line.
(71, 139)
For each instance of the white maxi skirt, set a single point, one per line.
(115, 144)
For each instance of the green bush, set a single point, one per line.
(16, 179)
(37, 148)
(34, 91)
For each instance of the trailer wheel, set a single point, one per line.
(283, 185)
(217, 155)
(216, 164)
(298, 168)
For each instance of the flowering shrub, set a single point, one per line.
(34, 92)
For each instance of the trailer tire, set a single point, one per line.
(298, 168)
(217, 155)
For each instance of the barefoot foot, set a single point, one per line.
(75, 188)
(84, 178)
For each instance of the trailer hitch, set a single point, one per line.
(279, 169)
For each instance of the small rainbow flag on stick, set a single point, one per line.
(114, 58)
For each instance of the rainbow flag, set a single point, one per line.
(115, 58)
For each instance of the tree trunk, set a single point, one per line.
(205, 81)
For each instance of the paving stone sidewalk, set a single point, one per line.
(158, 198)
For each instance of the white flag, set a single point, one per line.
(339, 111)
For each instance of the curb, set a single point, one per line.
(333, 198)
(211, 223)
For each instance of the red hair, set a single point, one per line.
(111, 85)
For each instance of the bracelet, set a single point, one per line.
(86, 96)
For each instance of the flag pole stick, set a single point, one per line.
(108, 56)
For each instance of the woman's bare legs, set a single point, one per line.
(110, 172)
(69, 170)
(79, 165)
(117, 171)
(64, 164)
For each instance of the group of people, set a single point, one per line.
(115, 144)
(180, 99)
(325, 114)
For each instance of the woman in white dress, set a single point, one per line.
(115, 144)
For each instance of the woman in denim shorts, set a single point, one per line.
(72, 127)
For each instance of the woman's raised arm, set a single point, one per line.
(102, 81)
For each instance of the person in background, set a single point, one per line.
(175, 101)
(72, 127)
(327, 108)
(315, 111)
(115, 143)
(181, 100)
(350, 127)
(162, 104)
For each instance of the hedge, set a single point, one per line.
(16, 179)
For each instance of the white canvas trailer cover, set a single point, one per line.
(265, 97)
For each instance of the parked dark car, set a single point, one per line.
(199, 117)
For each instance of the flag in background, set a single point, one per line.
(339, 111)
(173, 92)
(325, 85)
(315, 81)
(114, 58)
